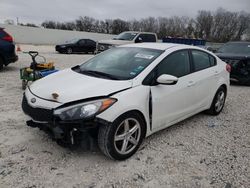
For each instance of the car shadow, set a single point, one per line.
(9, 69)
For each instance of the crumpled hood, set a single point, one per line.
(73, 86)
(115, 42)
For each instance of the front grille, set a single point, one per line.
(37, 114)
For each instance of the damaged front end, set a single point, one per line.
(65, 131)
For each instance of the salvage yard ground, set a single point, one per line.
(203, 151)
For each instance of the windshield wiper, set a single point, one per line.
(99, 74)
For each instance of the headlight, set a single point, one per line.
(84, 110)
(63, 46)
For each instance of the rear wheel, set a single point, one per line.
(218, 101)
(69, 51)
(122, 139)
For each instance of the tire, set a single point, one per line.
(218, 102)
(69, 51)
(129, 130)
(1, 63)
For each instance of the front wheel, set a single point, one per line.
(218, 101)
(122, 139)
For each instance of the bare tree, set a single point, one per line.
(204, 21)
(218, 26)
(119, 26)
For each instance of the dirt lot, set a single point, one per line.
(202, 151)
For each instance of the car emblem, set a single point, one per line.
(33, 100)
(55, 95)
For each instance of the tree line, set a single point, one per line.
(218, 26)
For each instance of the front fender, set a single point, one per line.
(136, 98)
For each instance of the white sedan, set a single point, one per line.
(126, 94)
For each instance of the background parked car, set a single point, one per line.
(7, 49)
(237, 54)
(127, 37)
(77, 46)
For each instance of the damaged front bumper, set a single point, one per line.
(66, 133)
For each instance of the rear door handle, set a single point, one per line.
(216, 73)
(191, 83)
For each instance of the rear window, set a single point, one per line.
(234, 47)
(2, 33)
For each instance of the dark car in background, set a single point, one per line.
(237, 54)
(77, 46)
(7, 49)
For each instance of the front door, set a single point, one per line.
(172, 102)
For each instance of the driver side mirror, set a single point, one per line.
(138, 40)
(167, 79)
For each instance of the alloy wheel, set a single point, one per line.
(127, 136)
(220, 101)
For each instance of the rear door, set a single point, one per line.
(206, 76)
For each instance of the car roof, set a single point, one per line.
(159, 46)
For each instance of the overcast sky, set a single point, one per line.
(36, 11)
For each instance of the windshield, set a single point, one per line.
(122, 63)
(240, 48)
(126, 36)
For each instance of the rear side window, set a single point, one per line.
(91, 42)
(151, 38)
(147, 37)
(202, 60)
(82, 42)
(176, 64)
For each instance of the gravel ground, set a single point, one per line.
(202, 151)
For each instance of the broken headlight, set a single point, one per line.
(84, 110)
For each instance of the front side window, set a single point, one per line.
(201, 60)
(176, 64)
(120, 63)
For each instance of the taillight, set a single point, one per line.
(228, 68)
(7, 37)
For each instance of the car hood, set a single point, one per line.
(233, 56)
(73, 86)
(115, 42)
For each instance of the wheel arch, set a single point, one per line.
(225, 87)
(141, 115)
